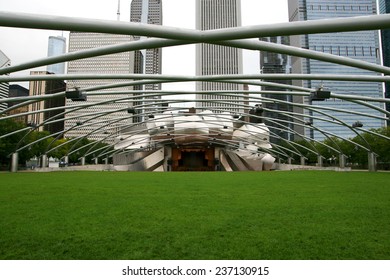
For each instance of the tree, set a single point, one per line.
(8, 144)
(378, 144)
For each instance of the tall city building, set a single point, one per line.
(18, 91)
(148, 12)
(384, 8)
(362, 45)
(4, 87)
(112, 116)
(276, 114)
(146, 61)
(56, 46)
(53, 118)
(216, 60)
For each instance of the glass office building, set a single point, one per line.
(362, 45)
(57, 46)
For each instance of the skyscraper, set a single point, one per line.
(362, 45)
(57, 46)
(384, 8)
(18, 91)
(4, 87)
(214, 59)
(45, 88)
(88, 120)
(276, 117)
(146, 61)
(149, 12)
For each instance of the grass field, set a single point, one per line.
(240, 215)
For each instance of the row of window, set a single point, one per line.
(219, 86)
(348, 50)
(211, 12)
(339, 8)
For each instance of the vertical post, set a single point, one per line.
(106, 160)
(289, 160)
(319, 160)
(96, 161)
(371, 161)
(83, 161)
(66, 159)
(14, 162)
(44, 161)
(342, 160)
(302, 160)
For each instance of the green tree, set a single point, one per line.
(60, 148)
(378, 144)
(8, 144)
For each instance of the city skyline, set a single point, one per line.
(179, 57)
(306, 53)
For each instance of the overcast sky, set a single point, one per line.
(22, 45)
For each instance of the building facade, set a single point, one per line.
(4, 87)
(276, 114)
(146, 61)
(216, 60)
(18, 91)
(362, 45)
(148, 12)
(110, 115)
(57, 46)
(53, 120)
(384, 8)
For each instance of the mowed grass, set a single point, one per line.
(240, 215)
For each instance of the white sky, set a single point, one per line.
(22, 45)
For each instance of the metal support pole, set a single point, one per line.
(106, 160)
(66, 159)
(83, 161)
(14, 162)
(96, 161)
(302, 160)
(371, 161)
(342, 160)
(289, 160)
(319, 160)
(44, 161)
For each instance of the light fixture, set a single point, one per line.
(131, 110)
(76, 95)
(320, 95)
(357, 124)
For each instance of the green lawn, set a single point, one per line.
(237, 215)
